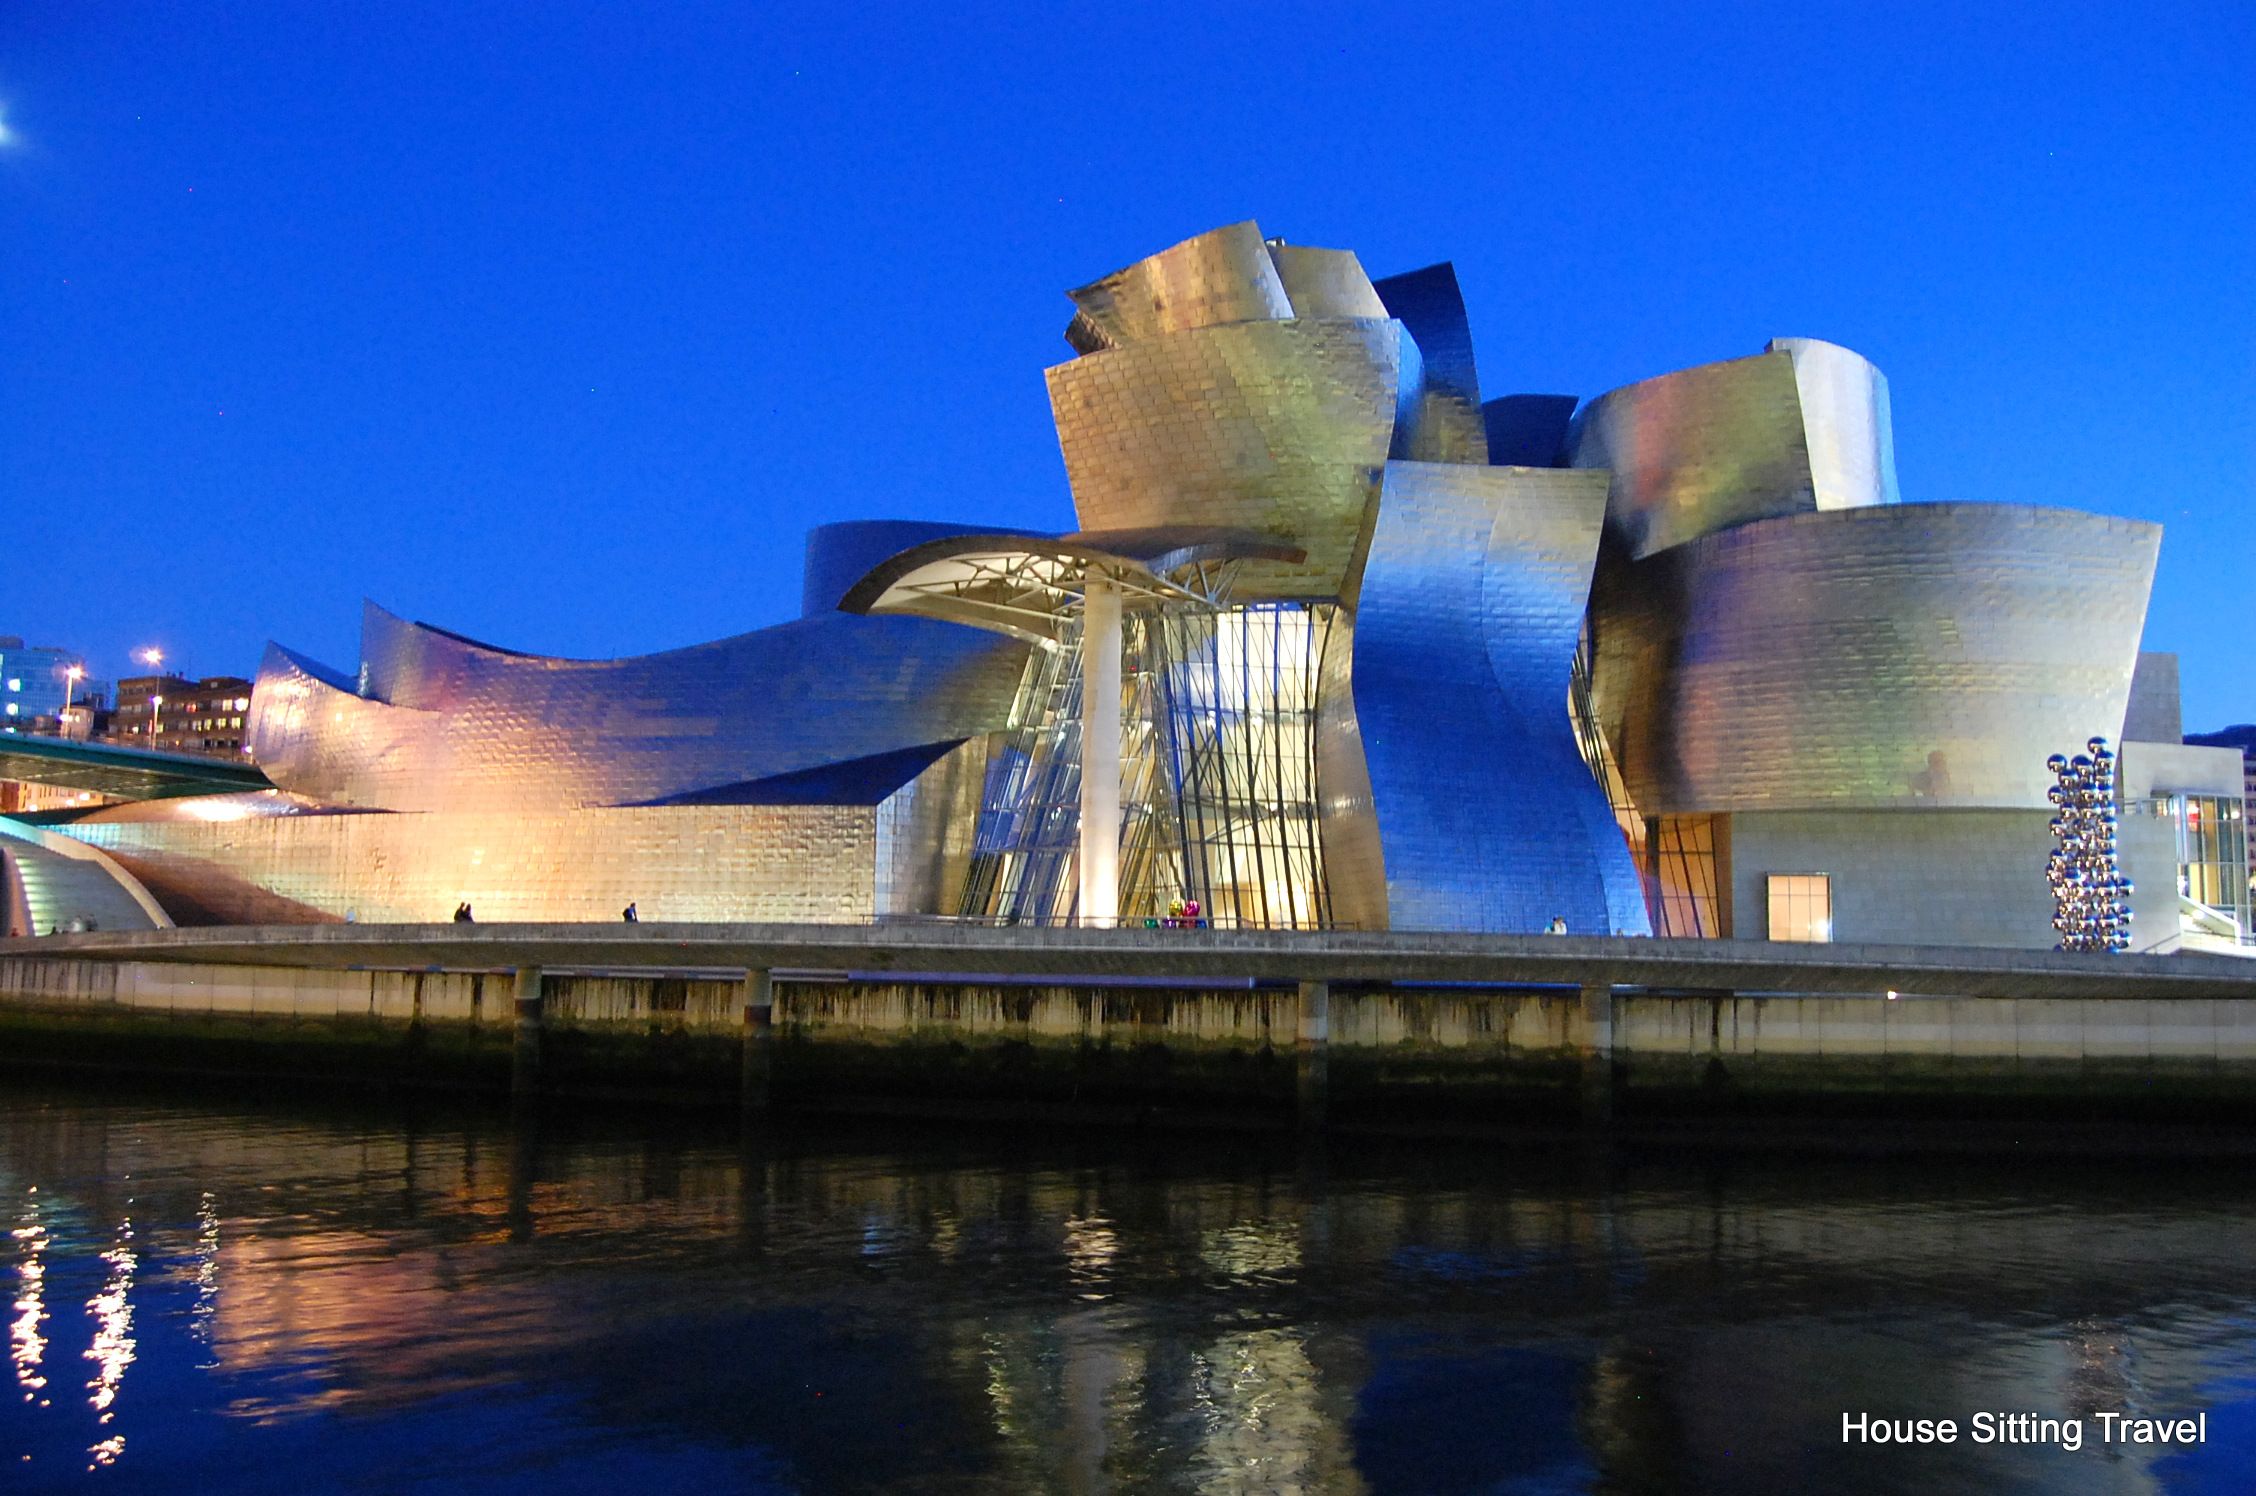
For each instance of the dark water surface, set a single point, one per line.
(292, 1296)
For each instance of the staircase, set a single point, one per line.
(49, 882)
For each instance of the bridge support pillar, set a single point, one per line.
(525, 1060)
(759, 1038)
(1312, 1055)
(1596, 1022)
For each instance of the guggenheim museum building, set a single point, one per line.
(1338, 639)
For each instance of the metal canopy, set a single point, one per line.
(124, 773)
(1021, 585)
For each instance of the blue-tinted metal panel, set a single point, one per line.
(1429, 303)
(1528, 430)
(860, 781)
(1464, 639)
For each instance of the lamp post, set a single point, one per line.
(72, 675)
(154, 659)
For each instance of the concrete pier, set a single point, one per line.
(1312, 1055)
(759, 1040)
(525, 1056)
(1595, 1006)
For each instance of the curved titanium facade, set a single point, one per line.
(1274, 427)
(1471, 606)
(1326, 283)
(1429, 303)
(464, 726)
(1894, 656)
(1801, 426)
(1847, 423)
(1698, 451)
(1221, 276)
(1363, 675)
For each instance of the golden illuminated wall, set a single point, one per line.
(689, 863)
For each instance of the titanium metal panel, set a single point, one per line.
(1471, 607)
(1274, 427)
(1913, 655)
(1224, 275)
(470, 727)
(1698, 451)
(1328, 283)
(2155, 713)
(1430, 304)
(1354, 857)
(1528, 430)
(1847, 423)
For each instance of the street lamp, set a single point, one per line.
(72, 675)
(153, 657)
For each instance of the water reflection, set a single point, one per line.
(112, 1348)
(27, 1347)
(472, 1302)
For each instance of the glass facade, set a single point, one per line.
(1218, 773)
(2211, 832)
(1801, 906)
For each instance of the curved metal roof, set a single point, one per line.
(1022, 585)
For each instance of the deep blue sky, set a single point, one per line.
(557, 325)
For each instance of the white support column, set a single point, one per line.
(1100, 754)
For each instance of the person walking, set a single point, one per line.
(629, 915)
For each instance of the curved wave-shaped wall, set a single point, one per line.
(466, 726)
(1485, 815)
(1891, 656)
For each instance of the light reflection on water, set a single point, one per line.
(298, 1298)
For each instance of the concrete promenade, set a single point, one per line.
(1719, 966)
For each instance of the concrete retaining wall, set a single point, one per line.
(1391, 1052)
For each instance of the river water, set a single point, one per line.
(299, 1295)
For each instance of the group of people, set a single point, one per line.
(463, 916)
(1182, 914)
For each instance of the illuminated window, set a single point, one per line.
(15, 683)
(1801, 906)
(11, 709)
(1681, 872)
